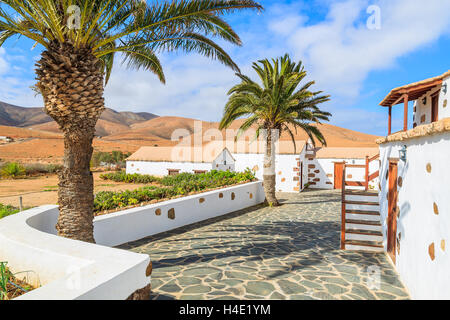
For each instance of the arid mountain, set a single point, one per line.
(102, 129)
(39, 140)
(11, 115)
(163, 127)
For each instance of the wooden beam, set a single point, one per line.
(390, 121)
(405, 112)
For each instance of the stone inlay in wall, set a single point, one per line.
(221, 195)
(251, 195)
(201, 200)
(443, 245)
(149, 270)
(422, 119)
(429, 167)
(435, 208)
(283, 180)
(280, 173)
(400, 181)
(158, 212)
(349, 176)
(445, 103)
(316, 171)
(329, 175)
(431, 251)
(171, 214)
(311, 166)
(233, 196)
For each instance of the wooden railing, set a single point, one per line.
(370, 177)
(343, 210)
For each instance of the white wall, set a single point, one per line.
(160, 168)
(287, 169)
(323, 171)
(137, 223)
(425, 109)
(69, 269)
(418, 226)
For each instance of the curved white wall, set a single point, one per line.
(69, 269)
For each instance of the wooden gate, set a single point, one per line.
(392, 209)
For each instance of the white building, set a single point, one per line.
(162, 161)
(296, 166)
(415, 193)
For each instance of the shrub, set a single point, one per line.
(7, 210)
(110, 158)
(12, 170)
(40, 168)
(122, 176)
(172, 186)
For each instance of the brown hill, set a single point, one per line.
(162, 128)
(24, 133)
(11, 115)
(103, 127)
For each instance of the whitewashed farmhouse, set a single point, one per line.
(162, 161)
(296, 167)
(415, 192)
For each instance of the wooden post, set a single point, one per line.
(390, 121)
(367, 173)
(343, 211)
(405, 112)
(20, 204)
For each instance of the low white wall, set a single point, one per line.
(161, 168)
(137, 223)
(69, 269)
(419, 228)
(287, 168)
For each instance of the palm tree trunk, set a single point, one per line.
(269, 176)
(76, 188)
(71, 83)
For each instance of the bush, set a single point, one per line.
(40, 168)
(109, 158)
(7, 210)
(122, 176)
(12, 170)
(172, 186)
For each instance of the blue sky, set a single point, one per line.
(355, 64)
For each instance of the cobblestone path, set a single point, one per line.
(289, 252)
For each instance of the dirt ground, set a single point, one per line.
(44, 190)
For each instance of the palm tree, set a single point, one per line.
(80, 39)
(275, 107)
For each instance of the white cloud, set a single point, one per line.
(4, 66)
(196, 87)
(15, 87)
(341, 51)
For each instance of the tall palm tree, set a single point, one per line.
(276, 106)
(80, 39)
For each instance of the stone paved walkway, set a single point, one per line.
(290, 252)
